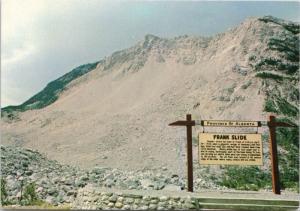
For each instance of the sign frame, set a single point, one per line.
(272, 124)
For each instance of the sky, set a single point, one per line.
(43, 39)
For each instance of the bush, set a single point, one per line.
(4, 200)
(266, 75)
(286, 108)
(245, 178)
(270, 106)
(29, 192)
(288, 139)
(29, 195)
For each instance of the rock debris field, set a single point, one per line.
(59, 184)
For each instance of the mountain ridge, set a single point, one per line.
(117, 114)
(146, 44)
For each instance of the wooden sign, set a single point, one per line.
(229, 123)
(230, 149)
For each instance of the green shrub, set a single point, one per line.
(4, 200)
(29, 195)
(252, 58)
(288, 46)
(266, 75)
(286, 108)
(270, 106)
(292, 27)
(245, 178)
(288, 139)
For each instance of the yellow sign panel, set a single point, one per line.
(224, 123)
(230, 149)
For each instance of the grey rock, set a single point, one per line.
(109, 183)
(118, 205)
(39, 189)
(52, 192)
(129, 200)
(113, 198)
(163, 198)
(146, 183)
(154, 201)
(71, 193)
(80, 183)
(84, 178)
(159, 185)
(110, 204)
(152, 206)
(172, 187)
(126, 207)
(144, 207)
(189, 205)
(28, 173)
(49, 199)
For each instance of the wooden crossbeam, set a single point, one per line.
(183, 123)
(280, 124)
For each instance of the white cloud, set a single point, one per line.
(38, 40)
(17, 55)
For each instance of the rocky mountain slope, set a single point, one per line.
(58, 184)
(117, 114)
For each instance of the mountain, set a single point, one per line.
(115, 113)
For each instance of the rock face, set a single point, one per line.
(117, 114)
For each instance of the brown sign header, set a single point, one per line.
(230, 123)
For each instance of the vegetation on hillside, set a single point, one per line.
(280, 79)
(50, 93)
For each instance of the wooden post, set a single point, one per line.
(274, 156)
(189, 153)
(272, 124)
(188, 123)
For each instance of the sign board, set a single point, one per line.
(230, 149)
(225, 123)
